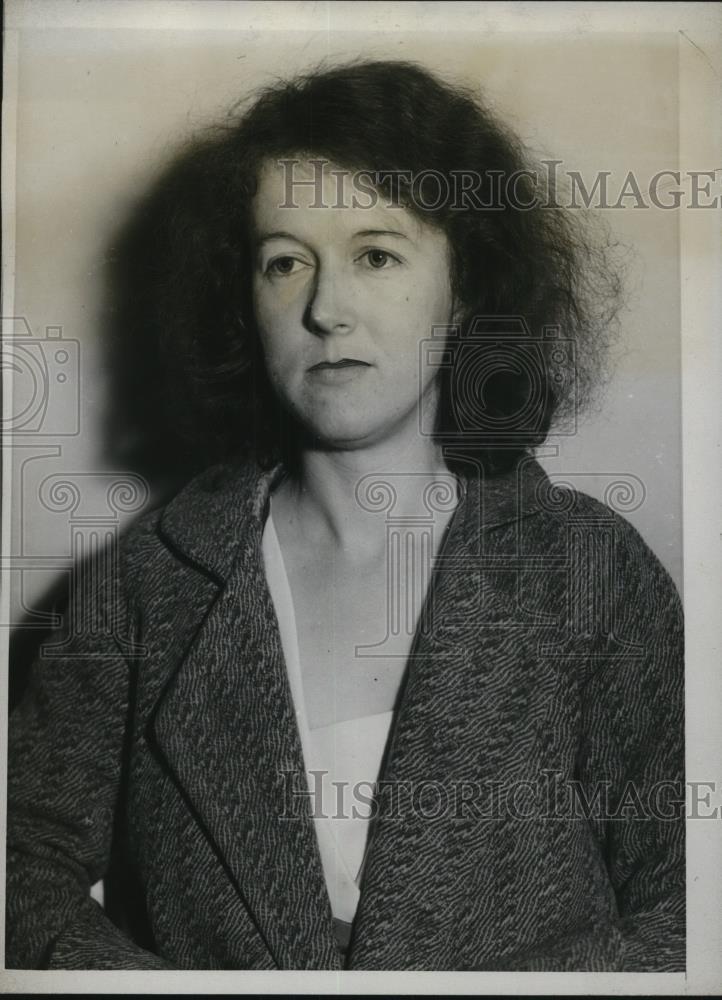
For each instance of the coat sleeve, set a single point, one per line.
(65, 752)
(632, 748)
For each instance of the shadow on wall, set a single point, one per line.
(149, 425)
(142, 432)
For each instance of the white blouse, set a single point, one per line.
(347, 752)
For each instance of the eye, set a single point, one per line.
(282, 266)
(379, 259)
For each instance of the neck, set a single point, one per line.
(325, 499)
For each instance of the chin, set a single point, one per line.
(338, 442)
(341, 435)
(335, 428)
(338, 429)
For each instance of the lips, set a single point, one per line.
(343, 363)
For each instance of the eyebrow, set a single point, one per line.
(381, 232)
(279, 235)
(282, 235)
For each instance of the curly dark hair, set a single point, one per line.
(539, 264)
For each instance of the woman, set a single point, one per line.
(374, 588)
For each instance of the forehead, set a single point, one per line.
(308, 195)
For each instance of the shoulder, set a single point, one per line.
(570, 519)
(618, 587)
(569, 541)
(620, 547)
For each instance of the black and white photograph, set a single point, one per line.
(360, 537)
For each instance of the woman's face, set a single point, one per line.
(337, 282)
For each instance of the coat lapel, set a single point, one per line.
(475, 698)
(227, 728)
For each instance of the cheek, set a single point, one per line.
(280, 297)
(428, 298)
(275, 307)
(411, 319)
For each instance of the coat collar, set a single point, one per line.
(207, 517)
(205, 520)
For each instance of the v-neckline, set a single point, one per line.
(289, 640)
(328, 843)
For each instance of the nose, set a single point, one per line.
(330, 309)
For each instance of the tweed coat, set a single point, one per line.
(161, 731)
